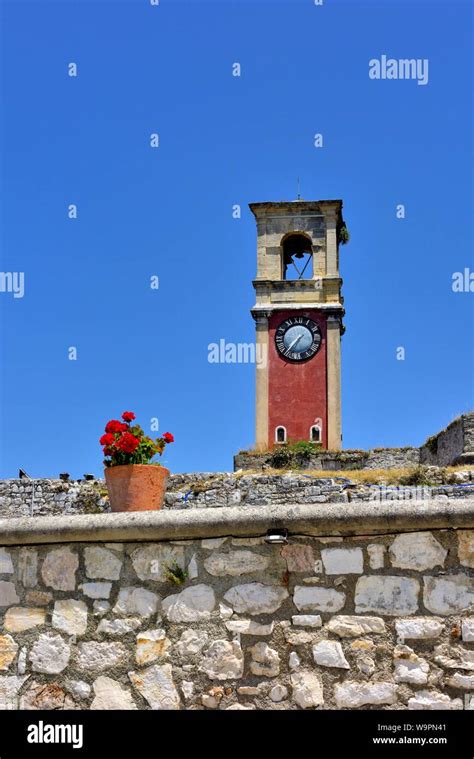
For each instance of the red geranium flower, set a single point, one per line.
(107, 439)
(108, 451)
(128, 443)
(168, 437)
(115, 426)
(128, 416)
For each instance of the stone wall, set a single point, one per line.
(360, 609)
(453, 445)
(331, 461)
(220, 489)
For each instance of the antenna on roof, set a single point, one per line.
(299, 189)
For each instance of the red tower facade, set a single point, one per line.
(298, 315)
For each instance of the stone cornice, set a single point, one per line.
(354, 518)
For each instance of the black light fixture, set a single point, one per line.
(277, 536)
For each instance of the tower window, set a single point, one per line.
(315, 434)
(297, 257)
(280, 435)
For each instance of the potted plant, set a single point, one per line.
(134, 481)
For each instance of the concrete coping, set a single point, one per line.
(334, 519)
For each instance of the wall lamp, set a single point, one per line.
(277, 537)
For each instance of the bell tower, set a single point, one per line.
(298, 316)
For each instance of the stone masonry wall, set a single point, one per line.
(217, 490)
(383, 622)
(455, 444)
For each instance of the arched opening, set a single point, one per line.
(297, 257)
(280, 435)
(315, 434)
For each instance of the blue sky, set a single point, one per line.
(224, 140)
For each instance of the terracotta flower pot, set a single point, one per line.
(136, 487)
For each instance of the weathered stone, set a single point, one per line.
(376, 552)
(46, 696)
(136, 601)
(9, 687)
(101, 563)
(28, 567)
(151, 644)
(154, 562)
(468, 630)
(119, 626)
(306, 620)
(70, 616)
(187, 689)
(191, 642)
(427, 700)
(418, 628)
(351, 695)
(249, 627)
(343, 561)
(8, 595)
(318, 599)
(256, 598)
(38, 598)
(78, 689)
(449, 594)
(240, 708)
(193, 569)
(248, 690)
(329, 653)
(294, 660)
(49, 654)
(22, 660)
(278, 693)
(298, 638)
(299, 557)
(6, 564)
(410, 668)
(461, 681)
(223, 660)
(417, 550)
(209, 544)
(8, 651)
(157, 687)
(100, 656)
(59, 568)
(96, 589)
(454, 657)
(191, 605)
(307, 689)
(225, 611)
(347, 626)
(249, 542)
(466, 547)
(110, 694)
(100, 607)
(265, 660)
(366, 665)
(235, 563)
(18, 618)
(390, 595)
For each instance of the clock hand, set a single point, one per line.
(295, 341)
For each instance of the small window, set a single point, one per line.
(315, 434)
(280, 435)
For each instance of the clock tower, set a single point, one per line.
(298, 316)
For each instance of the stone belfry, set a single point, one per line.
(298, 316)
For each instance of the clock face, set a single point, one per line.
(298, 338)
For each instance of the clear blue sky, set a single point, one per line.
(168, 212)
